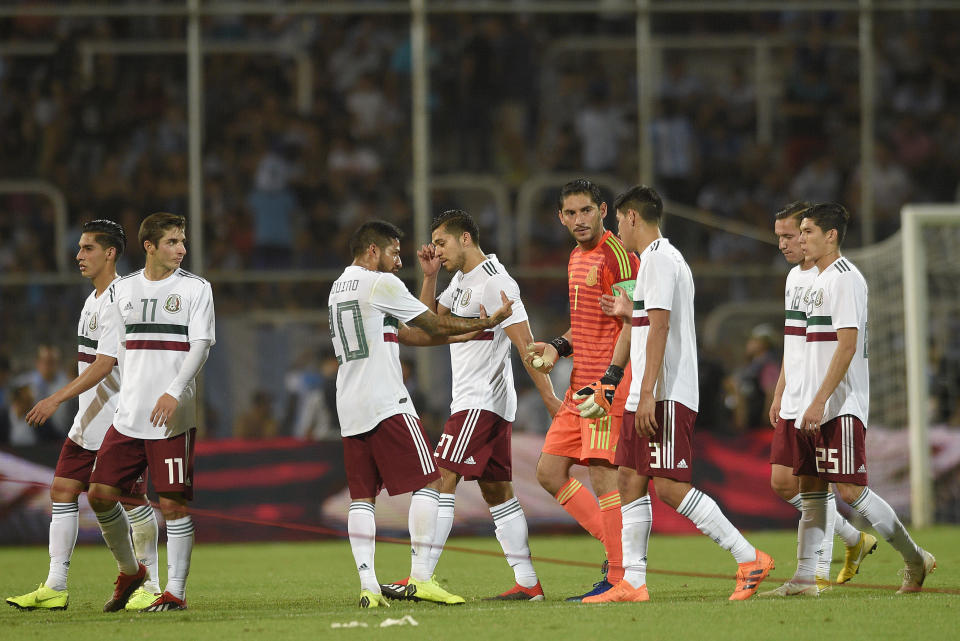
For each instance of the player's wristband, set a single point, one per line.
(563, 346)
(613, 375)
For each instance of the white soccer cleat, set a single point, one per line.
(915, 574)
(793, 588)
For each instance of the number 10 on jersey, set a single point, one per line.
(349, 333)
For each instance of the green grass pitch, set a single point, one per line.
(302, 590)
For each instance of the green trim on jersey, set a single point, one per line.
(390, 321)
(820, 320)
(87, 342)
(157, 328)
(637, 304)
(795, 315)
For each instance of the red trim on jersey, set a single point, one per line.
(483, 336)
(640, 321)
(390, 337)
(793, 330)
(169, 346)
(821, 337)
(85, 358)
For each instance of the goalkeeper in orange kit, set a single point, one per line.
(580, 434)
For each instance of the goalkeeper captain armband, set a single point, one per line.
(563, 346)
(595, 400)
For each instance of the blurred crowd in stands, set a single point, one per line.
(286, 179)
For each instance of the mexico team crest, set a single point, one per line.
(465, 297)
(93, 322)
(173, 303)
(591, 278)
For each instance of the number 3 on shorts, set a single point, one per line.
(179, 463)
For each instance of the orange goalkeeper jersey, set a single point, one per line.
(589, 274)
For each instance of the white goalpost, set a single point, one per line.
(914, 315)
(921, 240)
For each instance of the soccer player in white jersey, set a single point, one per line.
(98, 379)
(163, 317)
(786, 403)
(656, 439)
(835, 399)
(384, 445)
(475, 444)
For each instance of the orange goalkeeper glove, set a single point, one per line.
(595, 399)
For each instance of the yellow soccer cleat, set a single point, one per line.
(43, 598)
(855, 555)
(431, 591)
(370, 599)
(140, 599)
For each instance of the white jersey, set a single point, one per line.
(837, 300)
(366, 309)
(155, 321)
(665, 282)
(482, 371)
(98, 403)
(794, 339)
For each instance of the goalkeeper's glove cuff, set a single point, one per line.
(612, 376)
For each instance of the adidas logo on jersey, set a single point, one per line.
(682, 465)
(862, 469)
(469, 461)
(363, 566)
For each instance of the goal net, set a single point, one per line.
(914, 336)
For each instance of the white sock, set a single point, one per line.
(810, 531)
(706, 515)
(145, 532)
(179, 548)
(884, 520)
(847, 533)
(64, 525)
(826, 546)
(797, 502)
(116, 534)
(422, 522)
(444, 525)
(362, 528)
(511, 531)
(841, 526)
(637, 521)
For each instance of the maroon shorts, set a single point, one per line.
(837, 453)
(669, 453)
(123, 459)
(393, 455)
(76, 463)
(476, 445)
(781, 449)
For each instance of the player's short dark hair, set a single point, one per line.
(796, 209)
(829, 216)
(581, 186)
(107, 233)
(642, 199)
(156, 225)
(457, 221)
(375, 232)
